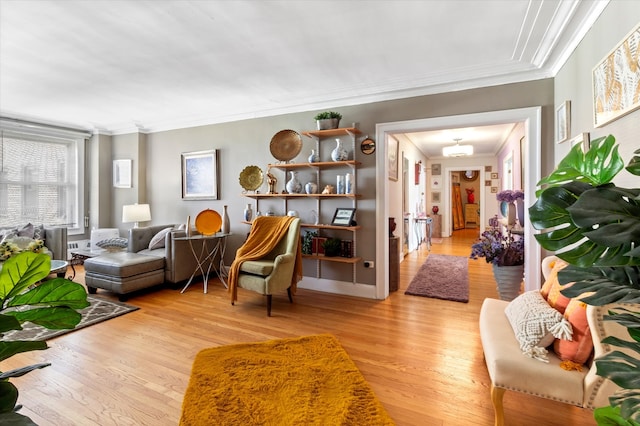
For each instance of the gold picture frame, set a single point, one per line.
(616, 81)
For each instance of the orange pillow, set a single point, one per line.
(551, 288)
(580, 347)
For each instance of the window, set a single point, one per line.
(41, 175)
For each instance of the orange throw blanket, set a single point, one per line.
(266, 233)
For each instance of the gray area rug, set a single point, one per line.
(442, 277)
(99, 310)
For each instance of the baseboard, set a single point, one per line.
(338, 287)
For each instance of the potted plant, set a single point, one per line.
(51, 304)
(332, 247)
(328, 120)
(595, 227)
(506, 255)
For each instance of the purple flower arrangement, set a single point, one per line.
(499, 248)
(510, 196)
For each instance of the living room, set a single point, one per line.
(207, 320)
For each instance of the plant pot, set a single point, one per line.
(509, 280)
(328, 123)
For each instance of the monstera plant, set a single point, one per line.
(595, 226)
(24, 296)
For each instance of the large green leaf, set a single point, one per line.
(610, 416)
(620, 368)
(629, 403)
(634, 164)
(610, 285)
(8, 397)
(19, 372)
(56, 318)
(56, 292)
(22, 270)
(597, 166)
(8, 322)
(9, 349)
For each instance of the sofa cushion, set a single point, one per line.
(158, 240)
(536, 324)
(580, 347)
(257, 267)
(123, 264)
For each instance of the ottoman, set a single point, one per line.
(123, 272)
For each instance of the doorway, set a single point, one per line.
(531, 154)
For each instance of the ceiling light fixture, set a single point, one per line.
(457, 150)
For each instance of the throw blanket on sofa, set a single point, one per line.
(266, 233)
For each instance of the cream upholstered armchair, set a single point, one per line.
(273, 272)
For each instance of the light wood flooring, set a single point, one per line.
(422, 356)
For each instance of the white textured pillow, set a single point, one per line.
(158, 240)
(536, 324)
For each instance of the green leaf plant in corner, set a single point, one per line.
(595, 227)
(24, 296)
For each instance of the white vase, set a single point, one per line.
(508, 280)
(339, 184)
(226, 225)
(311, 188)
(339, 153)
(313, 158)
(293, 185)
(348, 183)
(248, 213)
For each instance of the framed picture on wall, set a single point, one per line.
(200, 175)
(563, 124)
(393, 159)
(435, 197)
(436, 169)
(122, 173)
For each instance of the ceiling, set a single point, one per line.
(123, 65)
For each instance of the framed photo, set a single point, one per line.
(200, 175)
(435, 197)
(393, 159)
(487, 183)
(616, 81)
(436, 169)
(487, 168)
(494, 175)
(122, 173)
(582, 139)
(436, 183)
(343, 217)
(563, 124)
(494, 189)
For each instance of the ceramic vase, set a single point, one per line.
(226, 225)
(520, 211)
(509, 280)
(293, 185)
(339, 153)
(339, 184)
(311, 188)
(248, 213)
(313, 158)
(348, 183)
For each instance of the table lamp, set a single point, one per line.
(136, 213)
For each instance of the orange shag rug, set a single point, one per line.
(299, 381)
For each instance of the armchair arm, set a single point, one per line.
(55, 239)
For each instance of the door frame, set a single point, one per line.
(532, 154)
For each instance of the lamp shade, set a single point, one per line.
(457, 150)
(136, 213)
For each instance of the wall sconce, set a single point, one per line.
(136, 213)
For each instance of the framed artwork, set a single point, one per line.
(563, 114)
(494, 189)
(494, 175)
(435, 197)
(393, 159)
(122, 173)
(487, 168)
(343, 217)
(582, 139)
(436, 169)
(200, 175)
(616, 81)
(487, 183)
(436, 183)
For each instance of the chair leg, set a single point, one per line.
(289, 293)
(269, 305)
(496, 399)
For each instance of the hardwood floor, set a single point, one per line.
(422, 356)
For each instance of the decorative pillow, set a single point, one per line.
(552, 279)
(579, 348)
(158, 240)
(113, 243)
(26, 231)
(536, 324)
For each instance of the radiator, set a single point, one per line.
(76, 245)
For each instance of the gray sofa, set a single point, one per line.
(55, 240)
(140, 267)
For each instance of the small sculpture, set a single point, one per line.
(328, 189)
(271, 180)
